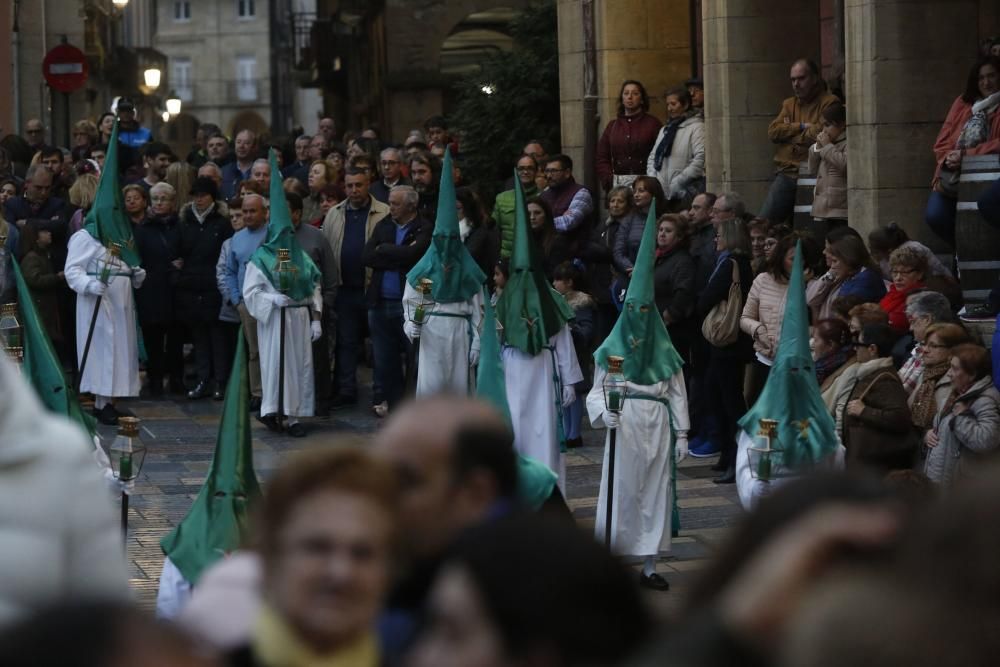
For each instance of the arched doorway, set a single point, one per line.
(475, 38)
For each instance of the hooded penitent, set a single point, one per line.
(106, 221)
(639, 335)
(806, 430)
(529, 309)
(534, 479)
(456, 276)
(217, 521)
(281, 235)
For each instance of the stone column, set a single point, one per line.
(894, 111)
(750, 46)
(646, 40)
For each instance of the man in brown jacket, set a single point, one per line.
(793, 132)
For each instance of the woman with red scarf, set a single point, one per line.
(908, 269)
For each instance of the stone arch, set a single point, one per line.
(248, 120)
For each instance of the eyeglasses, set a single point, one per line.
(902, 272)
(162, 200)
(550, 170)
(935, 346)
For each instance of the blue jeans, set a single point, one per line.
(390, 346)
(989, 205)
(352, 313)
(940, 216)
(779, 205)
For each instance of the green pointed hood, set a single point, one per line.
(529, 309)
(791, 396)
(41, 363)
(456, 276)
(281, 234)
(639, 335)
(217, 521)
(106, 221)
(535, 480)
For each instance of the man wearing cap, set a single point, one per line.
(201, 232)
(284, 296)
(104, 283)
(652, 422)
(449, 340)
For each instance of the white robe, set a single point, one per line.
(751, 489)
(113, 361)
(445, 343)
(644, 453)
(535, 400)
(299, 396)
(174, 592)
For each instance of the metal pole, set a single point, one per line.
(125, 515)
(612, 437)
(66, 133)
(281, 370)
(90, 339)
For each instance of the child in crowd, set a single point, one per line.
(568, 280)
(501, 273)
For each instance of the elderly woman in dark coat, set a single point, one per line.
(673, 281)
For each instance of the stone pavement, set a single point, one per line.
(180, 439)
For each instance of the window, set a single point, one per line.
(181, 79)
(245, 9)
(182, 11)
(246, 78)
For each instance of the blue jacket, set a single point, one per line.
(241, 247)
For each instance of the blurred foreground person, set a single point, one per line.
(531, 591)
(96, 634)
(61, 539)
(326, 531)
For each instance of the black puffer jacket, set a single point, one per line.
(197, 296)
(156, 240)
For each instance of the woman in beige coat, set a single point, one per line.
(677, 160)
(828, 160)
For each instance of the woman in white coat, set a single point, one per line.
(652, 424)
(678, 156)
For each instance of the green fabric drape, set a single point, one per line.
(106, 221)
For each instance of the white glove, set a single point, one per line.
(317, 330)
(473, 356)
(681, 448)
(280, 300)
(569, 395)
(411, 329)
(96, 287)
(611, 419)
(138, 277)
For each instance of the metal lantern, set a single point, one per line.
(615, 385)
(286, 270)
(419, 307)
(767, 456)
(110, 262)
(10, 329)
(127, 452)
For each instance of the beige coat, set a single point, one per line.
(763, 313)
(686, 161)
(333, 230)
(829, 163)
(59, 539)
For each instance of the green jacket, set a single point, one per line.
(503, 214)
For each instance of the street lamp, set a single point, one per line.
(11, 333)
(173, 104)
(615, 387)
(120, 4)
(127, 454)
(151, 77)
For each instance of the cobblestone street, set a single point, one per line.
(180, 437)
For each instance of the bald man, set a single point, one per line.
(455, 457)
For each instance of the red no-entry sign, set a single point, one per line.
(65, 68)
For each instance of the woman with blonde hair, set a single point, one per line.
(180, 176)
(81, 195)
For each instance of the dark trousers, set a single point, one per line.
(779, 205)
(352, 317)
(230, 331)
(163, 352)
(724, 391)
(390, 347)
(697, 385)
(759, 373)
(989, 205)
(940, 216)
(322, 379)
(210, 348)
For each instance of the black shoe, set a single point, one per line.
(728, 477)
(573, 443)
(254, 403)
(296, 430)
(654, 581)
(107, 415)
(343, 402)
(271, 422)
(200, 391)
(218, 394)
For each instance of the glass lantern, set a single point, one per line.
(615, 385)
(419, 307)
(10, 328)
(285, 270)
(767, 455)
(110, 262)
(127, 452)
